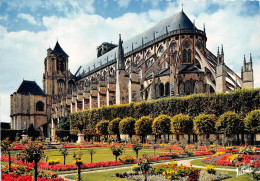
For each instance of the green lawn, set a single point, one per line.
(108, 175)
(102, 154)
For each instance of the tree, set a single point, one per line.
(154, 147)
(116, 151)
(145, 165)
(113, 128)
(101, 127)
(252, 123)
(181, 124)
(161, 125)
(143, 127)
(127, 126)
(91, 152)
(64, 152)
(64, 123)
(6, 148)
(230, 123)
(33, 152)
(204, 124)
(136, 146)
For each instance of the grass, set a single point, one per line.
(102, 154)
(108, 175)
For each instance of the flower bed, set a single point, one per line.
(61, 167)
(201, 153)
(15, 177)
(233, 160)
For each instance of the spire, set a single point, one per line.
(204, 29)
(182, 7)
(244, 59)
(58, 50)
(194, 25)
(218, 51)
(120, 55)
(250, 58)
(222, 51)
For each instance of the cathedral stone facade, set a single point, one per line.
(169, 59)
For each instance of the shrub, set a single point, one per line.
(229, 123)
(252, 123)
(113, 127)
(204, 124)
(127, 126)
(101, 127)
(53, 162)
(181, 124)
(143, 126)
(161, 125)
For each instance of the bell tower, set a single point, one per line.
(55, 75)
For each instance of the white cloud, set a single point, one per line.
(22, 53)
(4, 17)
(28, 18)
(123, 3)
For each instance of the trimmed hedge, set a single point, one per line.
(9, 133)
(239, 101)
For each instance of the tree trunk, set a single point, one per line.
(188, 138)
(243, 138)
(238, 140)
(136, 153)
(178, 137)
(91, 158)
(154, 152)
(35, 170)
(64, 161)
(116, 157)
(118, 138)
(79, 174)
(145, 176)
(252, 139)
(9, 159)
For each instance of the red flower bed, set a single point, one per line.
(61, 167)
(15, 177)
(201, 153)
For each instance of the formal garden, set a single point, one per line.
(199, 137)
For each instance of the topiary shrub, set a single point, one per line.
(113, 128)
(181, 124)
(161, 125)
(230, 123)
(252, 123)
(127, 126)
(143, 127)
(204, 124)
(101, 127)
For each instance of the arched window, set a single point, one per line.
(39, 106)
(161, 90)
(167, 89)
(60, 64)
(189, 55)
(173, 47)
(184, 56)
(60, 86)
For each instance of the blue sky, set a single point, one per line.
(29, 27)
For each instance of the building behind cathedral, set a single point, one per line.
(169, 59)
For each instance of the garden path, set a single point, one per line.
(179, 162)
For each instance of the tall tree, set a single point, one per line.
(101, 127)
(6, 147)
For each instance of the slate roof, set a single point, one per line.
(189, 69)
(58, 50)
(169, 25)
(30, 87)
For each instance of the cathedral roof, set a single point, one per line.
(58, 50)
(30, 87)
(171, 25)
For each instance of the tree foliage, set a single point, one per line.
(229, 123)
(127, 126)
(181, 124)
(113, 127)
(161, 125)
(239, 101)
(143, 126)
(204, 124)
(101, 127)
(252, 122)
